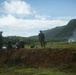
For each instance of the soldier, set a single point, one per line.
(21, 43)
(9, 46)
(42, 38)
(17, 45)
(1, 40)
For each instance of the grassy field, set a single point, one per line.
(57, 52)
(62, 45)
(56, 45)
(32, 71)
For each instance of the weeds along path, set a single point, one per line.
(38, 57)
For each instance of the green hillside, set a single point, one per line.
(62, 32)
(53, 33)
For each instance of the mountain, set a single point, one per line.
(63, 32)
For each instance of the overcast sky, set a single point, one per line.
(27, 17)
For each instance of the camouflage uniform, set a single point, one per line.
(42, 38)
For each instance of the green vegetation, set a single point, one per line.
(32, 71)
(15, 39)
(52, 43)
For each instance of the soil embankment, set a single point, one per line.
(44, 57)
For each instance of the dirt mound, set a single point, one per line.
(44, 57)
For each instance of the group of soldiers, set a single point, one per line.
(20, 43)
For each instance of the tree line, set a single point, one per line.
(15, 39)
(28, 40)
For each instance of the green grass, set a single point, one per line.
(32, 71)
(56, 45)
